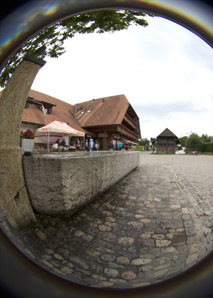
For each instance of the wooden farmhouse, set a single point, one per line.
(109, 119)
(103, 119)
(166, 142)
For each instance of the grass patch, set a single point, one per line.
(206, 153)
(163, 153)
(139, 148)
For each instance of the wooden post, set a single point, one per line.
(104, 142)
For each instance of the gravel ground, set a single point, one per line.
(192, 171)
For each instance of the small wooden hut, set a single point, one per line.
(166, 142)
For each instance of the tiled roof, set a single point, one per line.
(102, 111)
(167, 133)
(62, 111)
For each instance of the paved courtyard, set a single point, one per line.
(153, 224)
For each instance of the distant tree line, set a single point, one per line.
(143, 142)
(194, 142)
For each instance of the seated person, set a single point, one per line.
(55, 145)
(72, 145)
(78, 145)
(126, 147)
(120, 146)
(63, 143)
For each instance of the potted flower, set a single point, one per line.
(27, 141)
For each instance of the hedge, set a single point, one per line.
(208, 147)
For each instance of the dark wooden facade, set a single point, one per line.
(129, 129)
(118, 123)
(166, 142)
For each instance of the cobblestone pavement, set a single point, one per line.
(153, 224)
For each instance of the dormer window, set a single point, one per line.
(45, 111)
(43, 106)
(46, 107)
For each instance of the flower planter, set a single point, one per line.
(27, 145)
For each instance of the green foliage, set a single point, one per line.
(196, 143)
(53, 37)
(183, 141)
(208, 147)
(163, 153)
(207, 153)
(139, 148)
(206, 139)
(143, 142)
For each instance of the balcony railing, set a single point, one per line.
(129, 122)
(130, 118)
(129, 130)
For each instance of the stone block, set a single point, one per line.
(62, 184)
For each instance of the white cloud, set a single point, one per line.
(164, 70)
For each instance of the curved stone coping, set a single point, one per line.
(60, 184)
(82, 154)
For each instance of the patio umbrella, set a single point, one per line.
(56, 129)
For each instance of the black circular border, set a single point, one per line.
(19, 277)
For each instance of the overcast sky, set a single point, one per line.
(165, 71)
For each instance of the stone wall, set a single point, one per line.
(61, 184)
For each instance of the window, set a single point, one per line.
(46, 109)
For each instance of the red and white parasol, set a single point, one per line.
(60, 127)
(54, 130)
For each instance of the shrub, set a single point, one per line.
(208, 147)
